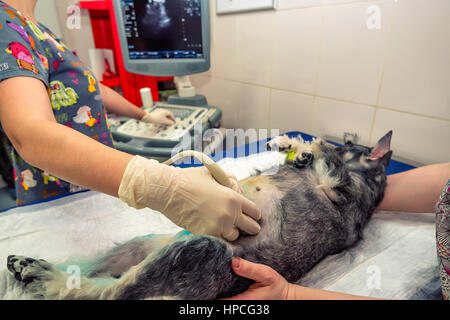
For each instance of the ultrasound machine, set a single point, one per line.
(166, 38)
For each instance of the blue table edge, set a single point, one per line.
(244, 151)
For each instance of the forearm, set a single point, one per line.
(74, 157)
(304, 293)
(117, 104)
(416, 190)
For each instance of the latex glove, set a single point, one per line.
(236, 186)
(190, 198)
(159, 116)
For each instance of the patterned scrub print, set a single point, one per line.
(60, 96)
(24, 58)
(27, 49)
(443, 239)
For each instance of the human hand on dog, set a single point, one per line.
(236, 186)
(269, 284)
(190, 198)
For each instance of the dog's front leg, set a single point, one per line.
(304, 151)
(284, 144)
(310, 150)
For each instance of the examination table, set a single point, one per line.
(396, 258)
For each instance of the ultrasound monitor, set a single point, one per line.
(164, 37)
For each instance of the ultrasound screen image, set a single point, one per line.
(163, 29)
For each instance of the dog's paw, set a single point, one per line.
(303, 160)
(32, 272)
(280, 143)
(26, 269)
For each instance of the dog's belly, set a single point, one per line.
(265, 194)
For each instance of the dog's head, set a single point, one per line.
(367, 169)
(371, 161)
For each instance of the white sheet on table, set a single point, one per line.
(400, 246)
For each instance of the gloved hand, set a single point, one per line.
(159, 116)
(190, 198)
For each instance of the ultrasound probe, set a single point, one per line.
(216, 171)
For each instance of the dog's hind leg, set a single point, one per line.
(198, 267)
(123, 257)
(43, 280)
(46, 281)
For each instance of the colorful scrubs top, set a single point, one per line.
(443, 239)
(32, 50)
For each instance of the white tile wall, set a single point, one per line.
(239, 101)
(297, 49)
(290, 4)
(293, 111)
(417, 76)
(314, 66)
(79, 40)
(334, 117)
(319, 69)
(425, 140)
(352, 55)
(245, 46)
(45, 11)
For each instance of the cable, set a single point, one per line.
(216, 171)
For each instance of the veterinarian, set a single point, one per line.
(418, 190)
(53, 111)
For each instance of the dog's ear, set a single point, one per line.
(384, 160)
(381, 148)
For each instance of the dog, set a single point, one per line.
(316, 206)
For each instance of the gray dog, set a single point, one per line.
(315, 206)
